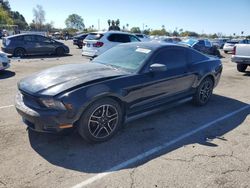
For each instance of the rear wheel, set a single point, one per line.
(241, 67)
(80, 46)
(203, 92)
(226, 52)
(60, 51)
(100, 121)
(19, 52)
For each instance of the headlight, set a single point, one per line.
(53, 104)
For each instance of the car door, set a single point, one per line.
(29, 44)
(162, 86)
(44, 45)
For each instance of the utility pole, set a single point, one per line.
(98, 24)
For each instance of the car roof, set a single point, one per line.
(112, 32)
(24, 34)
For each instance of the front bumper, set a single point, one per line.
(42, 120)
(8, 50)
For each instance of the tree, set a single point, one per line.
(161, 32)
(9, 17)
(135, 30)
(39, 16)
(114, 25)
(19, 20)
(5, 18)
(75, 21)
(175, 33)
(5, 5)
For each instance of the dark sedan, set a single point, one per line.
(78, 40)
(129, 79)
(33, 44)
(202, 45)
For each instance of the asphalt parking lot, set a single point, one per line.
(181, 146)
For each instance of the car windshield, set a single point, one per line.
(128, 58)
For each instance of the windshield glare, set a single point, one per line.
(124, 57)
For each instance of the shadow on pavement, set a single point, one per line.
(4, 74)
(40, 56)
(141, 135)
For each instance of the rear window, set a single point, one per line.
(94, 36)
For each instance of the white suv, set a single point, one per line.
(98, 42)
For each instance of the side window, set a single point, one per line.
(208, 44)
(122, 38)
(28, 38)
(172, 58)
(201, 43)
(112, 38)
(42, 39)
(133, 39)
(194, 56)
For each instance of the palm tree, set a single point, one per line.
(117, 22)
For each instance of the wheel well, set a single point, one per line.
(60, 47)
(20, 48)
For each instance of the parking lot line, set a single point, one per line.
(156, 149)
(8, 106)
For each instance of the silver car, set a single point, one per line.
(4, 61)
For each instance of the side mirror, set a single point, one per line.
(157, 67)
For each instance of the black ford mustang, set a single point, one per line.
(97, 97)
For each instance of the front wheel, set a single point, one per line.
(19, 52)
(203, 92)
(100, 121)
(60, 51)
(241, 67)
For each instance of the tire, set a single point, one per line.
(19, 52)
(60, 51)
(241, 67)
(101, 121)
(226, 52)
(203, 92)
(79, 46)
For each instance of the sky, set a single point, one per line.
(201, 16)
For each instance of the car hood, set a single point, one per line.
(58, 79)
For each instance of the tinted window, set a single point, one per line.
(94, 36)
(133, 39)
(42, 39)
(201, 43)
(172, 58)
(29, 38)
(194, 56)
(119, 38)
